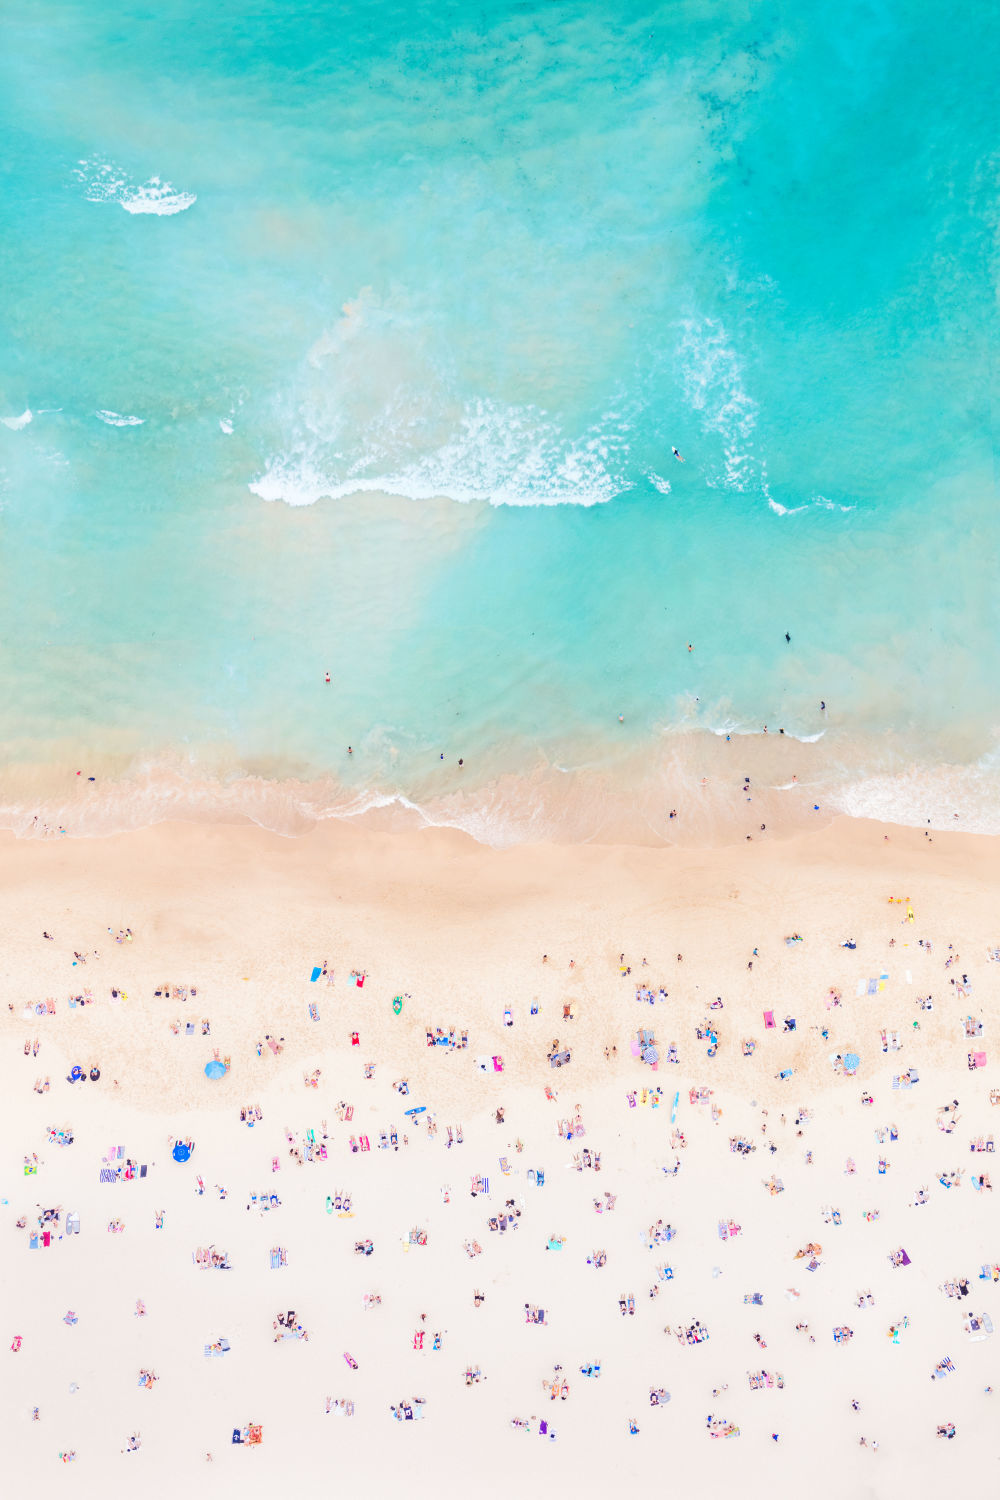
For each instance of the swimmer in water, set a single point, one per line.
(677, 455)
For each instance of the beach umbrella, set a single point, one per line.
(215, 1069)
(181, 1152)
(852, 1061)
(650, 1055)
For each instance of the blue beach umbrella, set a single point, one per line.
(215, 1069)
(851, 1062)
(181, 1152)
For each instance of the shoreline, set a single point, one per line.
(687, 788)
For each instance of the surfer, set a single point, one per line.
(677, 455)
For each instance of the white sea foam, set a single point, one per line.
(226, 425)
(711, 377)
(104, 182)
(658, 482)
(115, 419)
(923, 796)
(722, 731)
(502, 454)
(776, 505)
(824, 504)
(16, 423)
(375, 406)
(156, 197)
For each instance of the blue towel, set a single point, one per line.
(315, 975)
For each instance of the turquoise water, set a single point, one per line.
(357, 339)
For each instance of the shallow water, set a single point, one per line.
(357, 340)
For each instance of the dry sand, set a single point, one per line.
(460, 931)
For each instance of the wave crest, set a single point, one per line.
(106, 183)
(504, 455)
(373, 408)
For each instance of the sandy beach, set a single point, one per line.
(627, 1199)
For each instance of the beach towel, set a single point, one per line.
(769, 1022)
(317, 971)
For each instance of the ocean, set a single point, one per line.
(357, 339)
